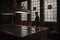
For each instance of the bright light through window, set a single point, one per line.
(35, 4)
(50, 10)
(24, 4)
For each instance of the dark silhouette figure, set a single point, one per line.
(36, 19)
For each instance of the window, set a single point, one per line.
(24, 5)
(50, 10)
(35, 7)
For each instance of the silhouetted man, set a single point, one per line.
(36, 19)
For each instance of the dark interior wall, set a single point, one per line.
(6, 19)
(17, 19)
(41, 12)
(58, 14)
(6, 5)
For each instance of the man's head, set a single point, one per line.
(36, 13)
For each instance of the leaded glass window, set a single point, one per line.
(50, 10)
(35, 7)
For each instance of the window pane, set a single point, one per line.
(35, 3)
(24, 16)
(52, 13)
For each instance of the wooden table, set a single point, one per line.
(25, 31)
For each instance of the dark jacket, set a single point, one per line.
(37, 20)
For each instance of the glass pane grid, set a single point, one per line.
(50, 14)
(35, 3)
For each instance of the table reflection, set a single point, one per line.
(20, 30)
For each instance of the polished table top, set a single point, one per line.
(21, 30)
